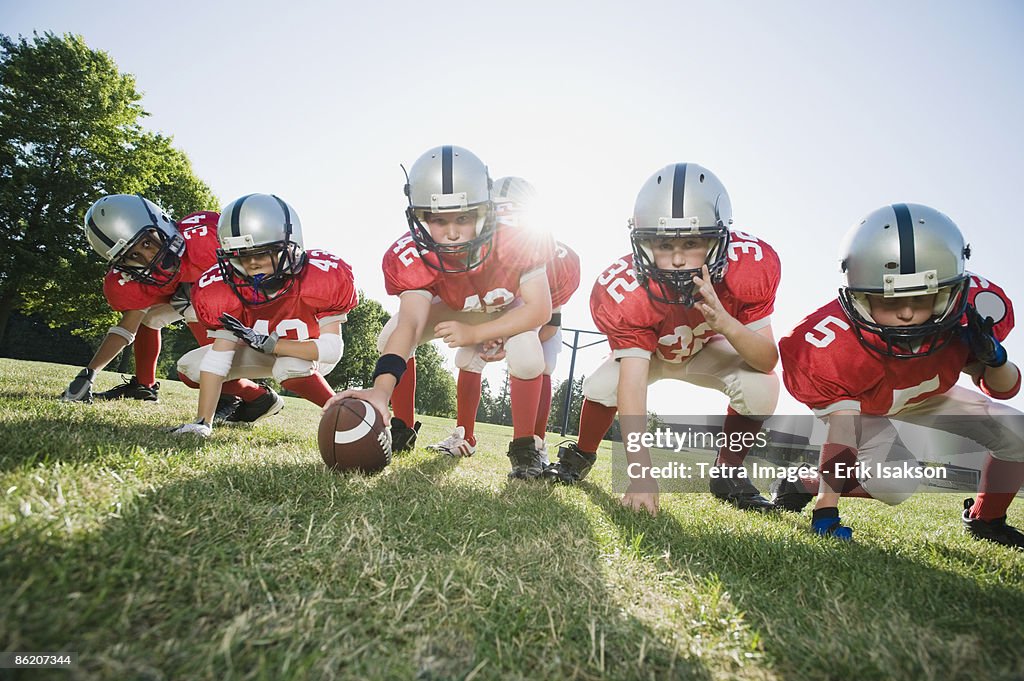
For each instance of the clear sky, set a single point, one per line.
(812, 114)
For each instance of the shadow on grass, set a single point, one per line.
(839, 611)
(289, 571)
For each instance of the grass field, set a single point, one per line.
(242, 557)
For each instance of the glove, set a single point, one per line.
(182, 298)
(199, 428)
(983, 343)
(829, 524)
(257, 341)
(80, 389)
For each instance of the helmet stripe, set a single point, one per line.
(506, 184)
(99, 234)
(236, 214)
(905, 225)
(678, 189)
(287, 216)
(446, 170)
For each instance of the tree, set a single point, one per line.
(360, 332)
(70, 133)
(558, 405)
(435, 386)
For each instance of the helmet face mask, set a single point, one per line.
(450, 179)
(118, 226)
(260, 225)
(681, 200)
(900, 251)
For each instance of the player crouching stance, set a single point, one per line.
(692, 303)
(909, 320)
(272, 309)
(152, 261)
(461, 279)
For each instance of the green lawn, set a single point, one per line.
(242, 557)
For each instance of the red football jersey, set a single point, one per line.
(490, 287)
(324, 288)
(632, 320)
(563, 274)
(825, 366)
(200, 233)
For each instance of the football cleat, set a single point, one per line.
(832, 527)
(264, 406)
(455, 444)
(572, 465)
(789, 496)
(526, 461)
(991, 530)
(80, 389)
(198, 429)
(739, 492)
(227, 409)
(403, 438)
(131, 390)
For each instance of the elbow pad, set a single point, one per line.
(217, 362)
(329, 347)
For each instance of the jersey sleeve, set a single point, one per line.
(330, 285)
(563, 274)
(523, 250)
(124, 293)
(622, 311)
(404, 270)
(200, 233)
(211, 297)
(752, 278)
(823, 366)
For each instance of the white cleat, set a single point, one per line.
(455, 444)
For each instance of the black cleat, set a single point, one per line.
(527, 463)
(739, 492)
(403, 438)
(572, 465)
(991, 530)
(227, 409)
(131, 390)
(264, 406)
(790, 496)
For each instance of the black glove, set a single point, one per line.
(80, 389)
(984, 346)
(256, 341)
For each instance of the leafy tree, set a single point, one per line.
(360, 332)
(558, 406)
(435, 385)
(70, 133)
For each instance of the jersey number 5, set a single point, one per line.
(827, 334)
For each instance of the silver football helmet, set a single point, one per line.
(450, 179)
(901, 250)
(514, 198)
(258, 224)
(680, 200)
(116, 224)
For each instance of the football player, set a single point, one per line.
(463, 280)
(272, 309)
(513, 198)
(691, 303)
(153, 260)
(908, 321)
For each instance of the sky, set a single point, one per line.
(812, 114)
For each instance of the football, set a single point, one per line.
(353, 437)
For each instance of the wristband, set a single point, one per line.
(556, 319)
(123, 333)
(390, 364)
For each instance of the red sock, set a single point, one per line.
(1000, 481)
(540, 428)
(147, 350)
(524, 395)
(468, 401)
(313, 387)
(745, 428)
(403, 399)
(595, 420)
(199, 332)
(244, 388)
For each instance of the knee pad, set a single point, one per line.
(159, 316)
(552, 347)
(755, 394)
(885, 473)
(292, 367)
(468, 359)
(602, 386)
(524, 355)
(188, 364)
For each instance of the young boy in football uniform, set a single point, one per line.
(272, 309)
(153, 262)
(513, 198)
(691, 303)
(908, 322)
(463, 280)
